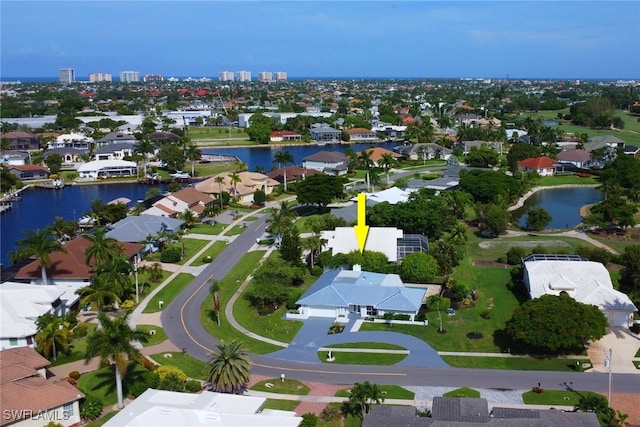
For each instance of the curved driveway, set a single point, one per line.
(181, 322)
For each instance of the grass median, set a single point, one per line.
(191, 366)
(361, 358)
(214, 250)
(168, 293)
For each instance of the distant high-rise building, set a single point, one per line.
(129, 76)
(153, 78)
(225, 76)
(265, 76)
(67, 75)
(243, 76)
(99, 77)
(281, 76)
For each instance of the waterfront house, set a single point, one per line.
(18, 158)
(376, 153)
(28, 398)
(22, 304)
(72, 140)
(107, 169)
(294, 173)
(284, 135)
(543, 166)
(576, 157)
(160, 138)
(362, 135)
(115, 151)
(29, 172)
(115, 137)
(248, 184)
(322, 133)
(188, 198)
(596, 142)
(338, 293)
(142, 227)
(585, 281)
(329, 162)
(424, 151)
(20, 140)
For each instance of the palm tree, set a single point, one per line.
(234, 178)
(387, 162)
(283, 157)
(111, 342)
(219, 180)
(193, 154)
(228, 370)
(459, 233)
(314, 244)
(63, 229)
(280, 219)
(214, 290)
(100, 292)
(188, 217)
(39, 244)
(363, 396)
(367, 164)
(116, 272)
(55, 334)
(102, 248)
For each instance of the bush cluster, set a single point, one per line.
(171, 255)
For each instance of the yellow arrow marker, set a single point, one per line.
(362, 229)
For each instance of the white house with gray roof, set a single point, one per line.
(585, 281)
(139, 228)
(338, 293)
(329, 162)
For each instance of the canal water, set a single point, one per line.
(563, 204)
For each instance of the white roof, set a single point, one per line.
(393, 195)
(21, 304)
(100, 164)
(587, 282)
(343, 240)
(159, 408)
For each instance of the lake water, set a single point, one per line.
(562, 203)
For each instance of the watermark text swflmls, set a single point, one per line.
(21, 414)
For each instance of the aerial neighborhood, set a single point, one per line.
(330, 252)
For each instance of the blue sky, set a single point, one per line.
(569, 39)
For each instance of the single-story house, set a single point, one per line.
(115, 137)
(391, 195)
(543, 166)
(29, 172)
(362, 134)
(107, 168)
(249, 183)
(329, 162)
(115, 151)
(139, 228)
(466, 146)
(162, 137)
(338, 293)
(596, 142)
(474, 412)
(576, 157)
(322, 133)
(425, 151)
(284, 135)
(343, 240)
(585, 281)
(18, 158)
(391, 131)
(21, 140)
(22, 304)
(68, 154)
(376, 153)
(72, 140)
(172, 408)
(188, 198)
(28, 398)
(293, 173)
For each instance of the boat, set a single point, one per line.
(54, 184)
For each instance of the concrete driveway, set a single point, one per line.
(623, 344)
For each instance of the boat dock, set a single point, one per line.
(7, 201)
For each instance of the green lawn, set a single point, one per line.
(76, 349)
(618, 245)
(209, 229)
(214, 250)
(564, 180)
(191, 366)
(208, 169)
(102, 385)
(492, 249)
(374, 345)
(157, 338)
(236, 229)
(228, 286)
(515, 363)
(191, 247)
(554, 397)
(169, 292)
(463, 392)
(280, 404)
(288, 386)
(101, 421)
(349, 358)
(390, 392)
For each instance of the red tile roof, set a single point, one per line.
(359, 130)
(293, 173)
(375, 154)
(537, 163)
(277, 133)
(25, 168)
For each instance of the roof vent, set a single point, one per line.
(357, 267)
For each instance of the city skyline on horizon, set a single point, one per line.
(573, 40)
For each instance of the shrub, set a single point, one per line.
(172, 254)
(485, 314)
(207, 259)
(127, 304)
(80, 330)
(291, 301)
(316, 271)
(145, 381)
(74, 374)
(460, 292)
(421, 317)
(434, 300)
(90, 408)
(336, 328)
(193, 386)
(515, 254)
(401, 317)
(539, 249)
(331, 413)
(309, 420)
(164, 370)
(172, 381)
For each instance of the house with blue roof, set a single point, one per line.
(339, 293)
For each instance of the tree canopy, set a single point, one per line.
(418, 267)
(319, 189)
(490, 186)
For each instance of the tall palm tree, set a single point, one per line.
(112, 342)
(193, 154)
(214, 290)
(144, 147)
(234, 178)
(101, 292)
(367, 164)
(54, 335)
(282, 158)
(39, 244)
(228, 370)
(63, 229)
(101, 248)
(219, 180)
(387, 162)
(188, 217)
(280, 219)
(117, 273)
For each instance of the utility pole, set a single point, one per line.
(607, 364)
(135, 269)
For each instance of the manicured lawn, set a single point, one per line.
(390, 392)
(492, 249)
(280, 404)
(76, 349)
(374, 345)
(463, 392)
(554, 397)
(491, 285)
(191, 247)
(209, 229)
(236, 229)
(304, 223)
(251, 218)
(191, 366)
(348, 358)
(214, 250)
(208, 169)
(270, 325)
(618, 245)
(169, 292)
(101, 421)
(276, 385)
(228, 286)
(516, 363)
(102, 384)
(545, 181)
(154, 339)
